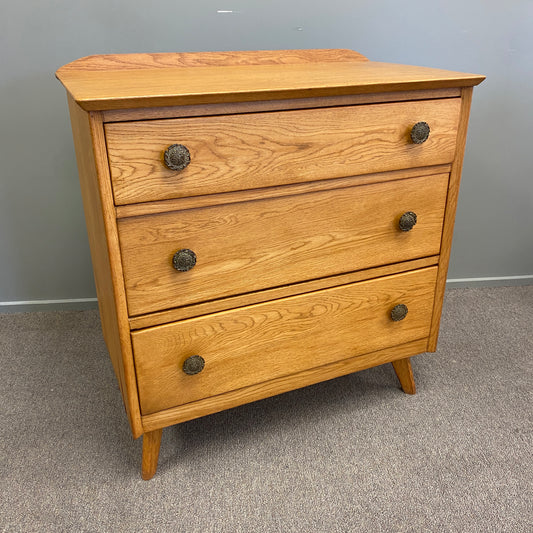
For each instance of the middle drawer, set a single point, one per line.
(254, 245)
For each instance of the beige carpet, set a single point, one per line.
(352, 454)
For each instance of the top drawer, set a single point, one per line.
(238, 152)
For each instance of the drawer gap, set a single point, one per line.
(263, 193)
(242, 300)
(129, 115)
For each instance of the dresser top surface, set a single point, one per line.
(124, 81)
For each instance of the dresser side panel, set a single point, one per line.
(449, 216)
(91, 157)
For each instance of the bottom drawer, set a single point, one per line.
(250, 345)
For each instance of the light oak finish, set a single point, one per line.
(192, 202)
(404, 371)
(103, 240)
(242, 300)
(228, 400)
(108, 85)
(247, 346)
(233, 108)
(316, 144)
(301, 167)
(274, 242)
(112, 62)
(151, 444)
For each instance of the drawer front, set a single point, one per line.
(251, 345)
(237, 152)
(250, 246)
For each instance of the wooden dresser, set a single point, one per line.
(262, 221)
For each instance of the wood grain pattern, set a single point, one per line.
(236, 152)
(105, 87)
(103, 240)
(301, 168)
(449, 217)
(151, 445)
(278, 241)
(404, 372)
(228, 400)
(232, 108)
(208, 200)
(242, 300)
(246, 346)
(214, 59)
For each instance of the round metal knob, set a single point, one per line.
(399, 312)
(407, 221)
(184, 260)
(193, 365)
(177, 157)
(420, 132)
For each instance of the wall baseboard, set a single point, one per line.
(498, 281)
(80, 304)
(68, 304)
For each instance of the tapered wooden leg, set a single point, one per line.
(404, 371)
(151, 443)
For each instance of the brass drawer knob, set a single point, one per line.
(407, 221)
(177, 157)
(420, 132)
(183, 260)
(193, 365)
(399, 312)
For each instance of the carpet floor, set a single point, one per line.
(352, 454)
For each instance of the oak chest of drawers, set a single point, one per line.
(262, 221)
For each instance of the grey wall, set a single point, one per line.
(43, 243)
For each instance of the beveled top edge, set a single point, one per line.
(102, 85)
